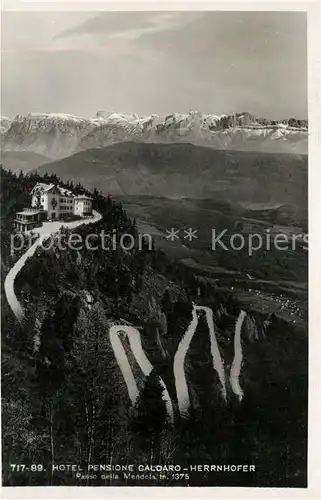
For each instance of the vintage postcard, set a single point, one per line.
(155, 249)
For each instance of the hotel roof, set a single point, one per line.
(83, 197)
(29, 211)
(65, 192)
(43, 188)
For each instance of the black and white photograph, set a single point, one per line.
(154, 248)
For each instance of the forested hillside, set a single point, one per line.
(63, 396)
(184, 170)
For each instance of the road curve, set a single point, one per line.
(179, 369)
(215, 351)
(179, 359)
(47, 229)
(238, 358)
(134, 339)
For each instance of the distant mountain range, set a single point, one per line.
(58, 135)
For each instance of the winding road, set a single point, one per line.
(238, 358)
(134, 339)
(134, 336)
(179, 359)
(183, 398)
(46, 230)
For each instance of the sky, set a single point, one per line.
(154, 62)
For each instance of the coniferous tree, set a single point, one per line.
(167, 304)
(150, 417)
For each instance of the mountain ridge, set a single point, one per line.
(187, 170)
(58, 135)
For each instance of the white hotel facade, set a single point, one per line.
(52, 202)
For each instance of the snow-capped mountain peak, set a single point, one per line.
(5, 123)
(59, 134)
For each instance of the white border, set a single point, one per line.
(313, 8)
